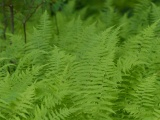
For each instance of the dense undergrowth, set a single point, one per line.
(104, 68)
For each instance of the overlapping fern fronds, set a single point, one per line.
(36, 86)
(86, 72)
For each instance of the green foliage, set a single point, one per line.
(78, 68)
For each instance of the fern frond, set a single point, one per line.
(155, 15)
(70, 35)
(17, 95)
(141, 104)
(141, 16)
(109, 16)
(41, 35)
(22, 106)
(92, 77)
(139, 48)
(57, 61)
(51, 114)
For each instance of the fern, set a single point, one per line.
(139, 48)
(17, 100)
(144, 99)
(103, 69)
(42, 35)
(92, 78)
(142, 14)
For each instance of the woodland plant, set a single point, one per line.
(76, 69)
